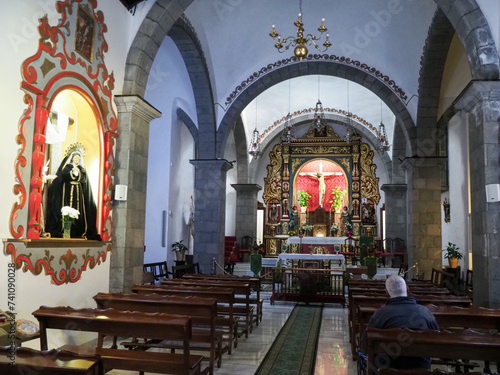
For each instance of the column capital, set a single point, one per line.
(136, 105)
(394, 188)
(219, 164)
(423, 162)
(476, 92)
(246, 187)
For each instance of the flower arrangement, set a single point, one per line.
(306, 228)
(336, 201)
(291, 233)
(303, 198)
(334, 228)
(69, 215)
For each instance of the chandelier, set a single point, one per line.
(300, 42)
(288, 131)
(383, 145)
(319, 116)
(254, 148)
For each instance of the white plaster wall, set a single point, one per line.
(170, 148)
(19, 21)
(231, 178)
(457, 231)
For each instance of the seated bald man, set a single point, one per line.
(401, 311)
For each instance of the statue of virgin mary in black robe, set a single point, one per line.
(71, 188)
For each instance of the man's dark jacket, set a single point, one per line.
(402, 312)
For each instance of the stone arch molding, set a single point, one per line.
(58, 65)
(466, 18)
(379, 88)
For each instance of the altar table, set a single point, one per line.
(311, 244)
(283, 257)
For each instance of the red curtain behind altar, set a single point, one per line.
(310, 184)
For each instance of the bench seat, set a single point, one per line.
(131, 360)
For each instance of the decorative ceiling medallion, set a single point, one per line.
(317, 57)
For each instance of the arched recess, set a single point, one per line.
(85, 73)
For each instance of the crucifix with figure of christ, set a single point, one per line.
(320, 175)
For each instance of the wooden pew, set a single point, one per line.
(255, 284)
(17, 360)
(447, 317)
(454, 345)
(240, 289)
(379, 299)
(202, 311)
(225, 320)
(110, 322)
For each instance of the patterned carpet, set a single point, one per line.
(294, 350)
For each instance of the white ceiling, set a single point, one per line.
(386, 35)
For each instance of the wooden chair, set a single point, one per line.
(387, 251)
(159, 270)
(185, 269)
(350, 250)
(399, 251)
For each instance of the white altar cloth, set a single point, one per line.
(309, 240)
(283, 257)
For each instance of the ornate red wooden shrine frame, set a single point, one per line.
(55, 67)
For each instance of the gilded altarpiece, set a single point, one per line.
(354, 159)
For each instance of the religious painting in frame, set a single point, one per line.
(84, 33)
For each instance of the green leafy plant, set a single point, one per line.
(179, 246)
(337, 195)
(452, 251)
(303, 198)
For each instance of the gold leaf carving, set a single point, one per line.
(272, 182)
(345, 162)
(272, 247)
(369, 179)
(295, 163)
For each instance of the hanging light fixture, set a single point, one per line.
(349, 132)
(288, 130)
(254, 148)
(300, 42)
(383, 145)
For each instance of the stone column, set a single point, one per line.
(246, 209)
(481, 102)
(131, 165)
(210, 211)
(423, 177)
(395, 211)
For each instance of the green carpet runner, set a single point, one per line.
(294, 349)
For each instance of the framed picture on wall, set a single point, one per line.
(84, 33)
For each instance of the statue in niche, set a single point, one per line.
(71, 188)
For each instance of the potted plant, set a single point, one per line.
(180, 249)
(306, 229)
(303, 199)
(452, 254)
(336, 201)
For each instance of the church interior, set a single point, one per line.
(296, 149)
